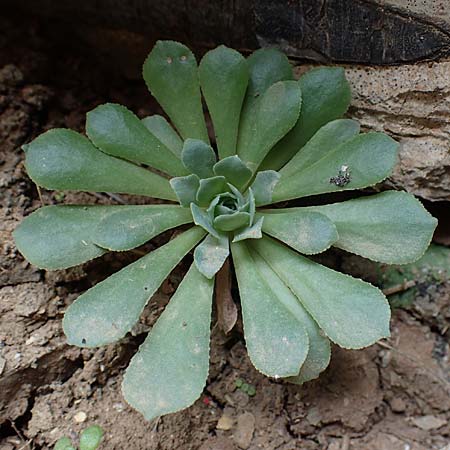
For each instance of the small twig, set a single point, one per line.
(407, 284)
(40, 195)
(345, 443)
(26, 444)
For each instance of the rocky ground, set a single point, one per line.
(394, 395)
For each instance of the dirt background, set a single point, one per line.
(394, 395)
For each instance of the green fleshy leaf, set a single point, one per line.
(169, 371)
(210, 255)
(307, 232)
(266, 67)
(251, 232)
(198, 157)
(319, 350)
(224, 76)
(106, 312)
(324, 141)
(117, 131)
(162, 129)
(251, 205)
(264, 185)
(132, 226)
(186, 189)
(367, 158)
(277, 113)
(276, 343)
(203, 219)
(64, 444)
(91, 437)
(58, 237)
(352, 313)
(391, 227)
(171, 74)
(326, 96)
(210, 188)
(234, 170)
(65, 160)
(230, 222)
(238, 195)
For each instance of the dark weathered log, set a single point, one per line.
(362, 31)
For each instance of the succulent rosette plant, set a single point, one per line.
(276, 139)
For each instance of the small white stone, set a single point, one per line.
(80, 417)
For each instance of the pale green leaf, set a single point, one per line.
(266, 67)
(276, 342)
(250, 232)
(58, 237)
(203, 219)
(198, 157)
(319, 351)
(106, 312)
(91, 437)
(277, 113)
(264, 185)
(162, 129)
(169, 371)
(324, 141)
(210, 188)
(171, 74)
(307, 232)
(391, 227)
(210, 255)
(326, 96)
(234, 170)
(131, 226)
(186, 189)
(352, 313)
(65, 160)
(230, 222)
(64, 444)
(117, 131)
(224, 76)
(367, 158)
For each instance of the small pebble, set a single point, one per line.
(80, 417)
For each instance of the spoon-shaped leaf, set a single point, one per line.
(351, 312)
(203, 219)
(230, 222)
(368, 159)
(234, 170)
(131, 226)
(198, 157)
(106, 312)
(64, 444)
(277, 113)
(171, 74)
(326, 96)
(306, 232)
(319, 351)
(176, 350)
(264, 185)
(224, 76)
(276, 342)
(162, 129)
(391, 227)
(58, 237)
(210, 255)
(186, 189)
(65, 160)
(210, 188)
(324, 141)
(250, 232)
(117, 131)
(266, 67)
